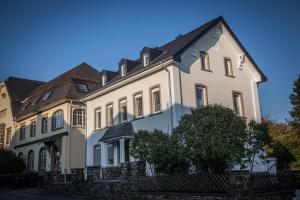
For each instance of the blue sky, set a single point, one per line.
(41, 39)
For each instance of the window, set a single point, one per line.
(146, 59)
(35, 101)
(42, 159)
(238, 103)
(109, 115)
(104, 79)
(123, 110)
(22, 132)
(98, 118)
(155, 100)
(44, 125)
(110, 154)
(20, 155)
(201, 96)
(82, 87)
(47, 95)
(8, 135)
(30, 161)
(97, 155)
(123, 70)
(25, 106)
(1, 138)
(204, 61)
(58, 120)
(78, 117)
(32, 129)
(228, 67)
(138, 105)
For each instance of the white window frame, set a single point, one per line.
(123, 70)
(204, 95)
(78, 117)
(228, 67)
(146, 59)
(44, 126)
(104, 79)
(204, 60)
(138, 114)
(97, 152)
(109, 116)
(58, 121)
(239, 108)
(98, 122)
(122, 104)
(22, 132)
(153, 91)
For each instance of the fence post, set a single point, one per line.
(238, 184)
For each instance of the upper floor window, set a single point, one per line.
(44, 128)
(228, 67)
(8, 135)
(98, 118)
(146, 59)
(123, 110)
(204, 58)
(138, 105)
(104, 79)
(35, 101)
(1, 138)
(32, 129)
(238, 103)
(79, 117)
(47, 95)
(82, 87)
(109, 115)
(155, 100)
(123, 70)
(22, 132)
(58, 120)
(30, 161)
(201, 96)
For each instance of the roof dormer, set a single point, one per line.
(104, 79)
(126, 65)
(107, 76)
(148, 55)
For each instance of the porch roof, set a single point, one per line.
(121, 130)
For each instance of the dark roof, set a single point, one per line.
(18, 89)
(121, 130)
(173, 50)
(63, 87)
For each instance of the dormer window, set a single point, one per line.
(47, 95)
(146, 59)
(35, 101)
(82, 87)
(123, 70)
(104, 79)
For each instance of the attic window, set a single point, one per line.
(104, 79)
(25, 105)
(47, 95)
(82, 87)
(35, 101)
(146, 59)
(123, 70)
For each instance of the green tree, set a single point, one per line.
(10, 163)
(212, 138)
(295, 101)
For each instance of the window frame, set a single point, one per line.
(137, 95)
(121, 102)
(54, 128)
(47, 95)
(30, 161)
(42, 160)
(241, 102)
(33, 126)
(113, 154)
(204, 55)
(146, 57)
(107, 114)
(22, 133)
(205, 94)
(8, 136)
(152, 101)
(96, 121)
(97, 146)
(76, 117)
(123, 69)
(85, 89)
(228, 68)
(43, 129)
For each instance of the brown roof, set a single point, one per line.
(18, 89)
(63, 87)
(176, 47)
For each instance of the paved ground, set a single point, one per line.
(33, 194)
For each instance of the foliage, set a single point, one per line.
(212, 138)
(10, 163)
(155, 147)
(295, 101)
(257, 138)
(285, 146)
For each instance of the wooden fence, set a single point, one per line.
(211, 183)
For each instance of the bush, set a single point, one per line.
(10, 163)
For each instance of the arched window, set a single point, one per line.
(58, 120)
(78, 117)
(30, 161)
(42, 159)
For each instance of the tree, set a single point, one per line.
(257, 139)
(10, 163)
(295, 101)
(212, 138)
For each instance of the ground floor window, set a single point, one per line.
(97, 155)
(42, 159)
(110, 156)
(30, 161)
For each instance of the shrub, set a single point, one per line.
(10, 163)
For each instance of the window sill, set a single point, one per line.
(137, 118)
(231, 76)
(157, 113)
(207, 70)
(55, 129)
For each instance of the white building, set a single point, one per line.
(205, 66)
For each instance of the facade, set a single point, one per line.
(205, 66)
(50, 122)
